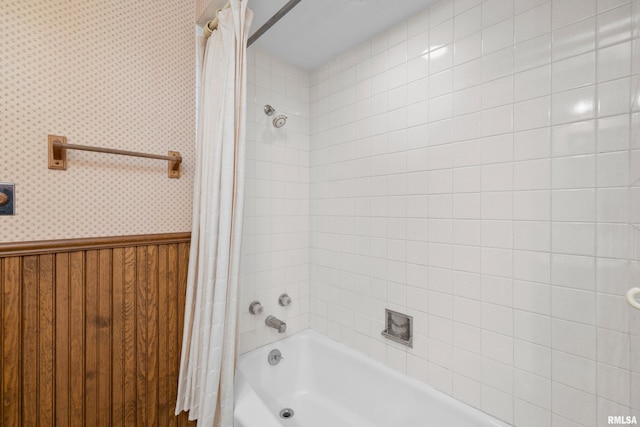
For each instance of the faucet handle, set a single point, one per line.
(255, 307)
(284, 300)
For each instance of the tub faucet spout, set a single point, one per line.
(275, 323)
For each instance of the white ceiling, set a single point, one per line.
(315, 31)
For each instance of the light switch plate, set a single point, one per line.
(8, 207)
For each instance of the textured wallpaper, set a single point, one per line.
(117, 74)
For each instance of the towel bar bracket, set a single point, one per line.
(57, 148)
(173, 168)
(57, 154)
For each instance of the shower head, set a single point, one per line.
(278, 120)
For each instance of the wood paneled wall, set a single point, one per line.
(92, 331)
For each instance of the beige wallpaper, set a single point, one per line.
(113, 73)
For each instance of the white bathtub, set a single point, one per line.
(330, 385)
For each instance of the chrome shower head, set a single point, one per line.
(279, 120)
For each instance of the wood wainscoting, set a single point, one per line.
(92, 331)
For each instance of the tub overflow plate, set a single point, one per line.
(274, 357)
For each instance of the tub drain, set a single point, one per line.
(286, 413)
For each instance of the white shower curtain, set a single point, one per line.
(209, 355)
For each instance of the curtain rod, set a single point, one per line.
(271, 22)
(210, 26)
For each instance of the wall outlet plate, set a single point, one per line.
(7, 198)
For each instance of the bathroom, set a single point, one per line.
(471, 164)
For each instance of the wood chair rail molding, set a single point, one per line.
(90, 243)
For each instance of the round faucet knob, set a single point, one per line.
(255, 307)
(284, 300)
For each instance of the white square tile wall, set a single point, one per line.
(477, 167)
(276, 224)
